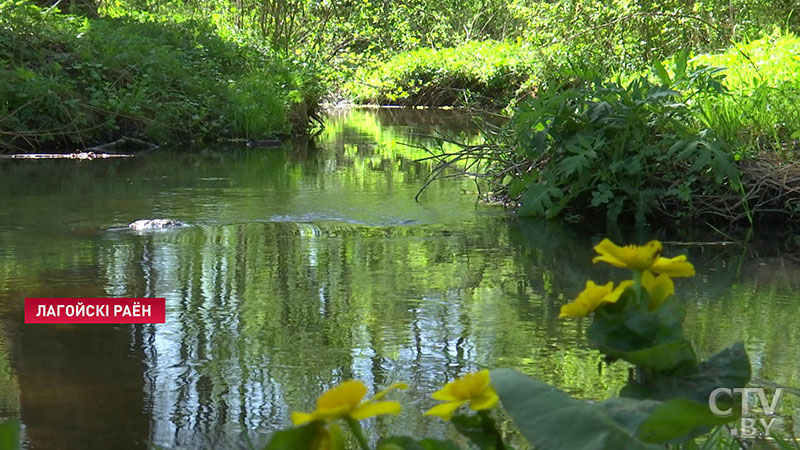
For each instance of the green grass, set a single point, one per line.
(67, 81)
(488, 72)
(761, 110)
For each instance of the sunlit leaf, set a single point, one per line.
(680, 419)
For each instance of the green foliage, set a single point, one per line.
(431, 52)
(666, 365)
(763, 77)
(786, 444)
(345, 30)
(68, 81)
(729, 367)
(649, 339)
(551, 419)
(665, 146)
(256, 105)
(9, 435)
(690, 141)
(617, 147)
(480, 429)
(627, 36)
(608, 38)
(340, 38)
(488, 72)
(676, 418)
(307, 437)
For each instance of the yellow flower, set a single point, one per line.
(673, 267)
(473, 388)
(592, 297)
(634, 257)
(658, 287)
(344, 400)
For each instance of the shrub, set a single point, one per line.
(620, 148)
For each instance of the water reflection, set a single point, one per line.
(298, 272)
(258, 313)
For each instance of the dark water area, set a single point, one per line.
(311, 264)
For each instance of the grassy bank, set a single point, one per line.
(760, 110)
(488, 73)
(710, 138)
(69, 82)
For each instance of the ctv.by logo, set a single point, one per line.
(747, 428)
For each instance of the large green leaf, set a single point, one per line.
(644, 338)
(480, 429)
(629, 413)
(666, 356)
(551, 419)
(540, 200)
(729, 368)
(678, 420)
(680, 63)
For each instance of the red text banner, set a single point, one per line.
(95, 310)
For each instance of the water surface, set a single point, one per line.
(308, 265)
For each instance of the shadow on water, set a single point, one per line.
(300, 270)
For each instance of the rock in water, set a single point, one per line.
(155, 224)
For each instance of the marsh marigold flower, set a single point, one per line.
(472, 388)
(659, 288)
(592, 297)
(636, 257)
(673, 267)
(642, 257)
(345, 400)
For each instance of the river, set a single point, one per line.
(310, 264)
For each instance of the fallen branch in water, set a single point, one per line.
(76, 155)
(123, 142)
(95, 152)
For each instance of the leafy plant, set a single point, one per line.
(620, 148)
(9, 435)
